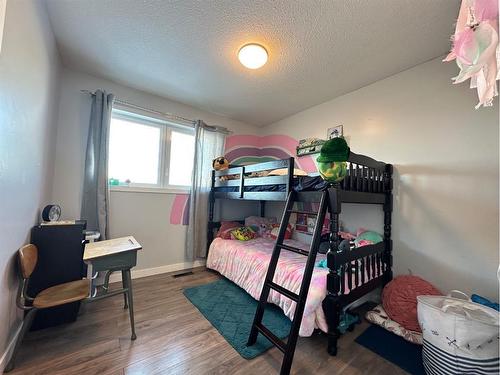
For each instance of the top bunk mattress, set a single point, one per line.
(245, 263)
(300, 183)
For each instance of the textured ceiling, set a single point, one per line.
(186, 50)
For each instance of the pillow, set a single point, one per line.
(368, 238)
(225, 229)
(259, 224)
(243, 234)
(399, 299)
(284, 172)
(379, 317)
(275, 228)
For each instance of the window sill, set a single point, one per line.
(136, 189)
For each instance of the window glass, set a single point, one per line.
(181, 158)
(134, 152)
(149, 152)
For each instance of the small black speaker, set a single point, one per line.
(60, 260)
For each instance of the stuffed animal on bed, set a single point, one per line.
(220, 163)
(332, 159)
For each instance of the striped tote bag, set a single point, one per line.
(459, 336)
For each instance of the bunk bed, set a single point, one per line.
(350, 274)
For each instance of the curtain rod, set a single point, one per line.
(131, 105)
(166, 115)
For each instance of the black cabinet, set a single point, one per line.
(60, 259)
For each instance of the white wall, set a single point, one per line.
(144, 215)
(445, 221)
(29, 66)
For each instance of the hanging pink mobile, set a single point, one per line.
(476, 48)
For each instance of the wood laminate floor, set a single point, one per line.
(173, 338)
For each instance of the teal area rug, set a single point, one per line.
(231, 311)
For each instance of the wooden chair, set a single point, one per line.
(54, 296)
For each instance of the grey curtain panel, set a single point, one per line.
(209, 143)
(95, 199)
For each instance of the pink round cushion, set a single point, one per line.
(399, 299)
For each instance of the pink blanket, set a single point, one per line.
(245, 263)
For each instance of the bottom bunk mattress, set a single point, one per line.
(245, 263)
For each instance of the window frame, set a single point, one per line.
(166, 127)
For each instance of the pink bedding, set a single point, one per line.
(245, 263)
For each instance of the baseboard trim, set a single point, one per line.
(144, 272)
(8, 350)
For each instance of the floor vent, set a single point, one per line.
(182, 274)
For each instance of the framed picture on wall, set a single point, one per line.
(309, 146)
(336, 131)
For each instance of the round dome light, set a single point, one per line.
(252, 56)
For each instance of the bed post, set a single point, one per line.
(211, 204)
(262, 208)
(331, 303)
(291, 167)
(388, 222)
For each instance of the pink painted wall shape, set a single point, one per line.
(179, 213)
(246, 149)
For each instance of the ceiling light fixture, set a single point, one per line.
(252, 56)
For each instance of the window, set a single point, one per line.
(147, 152)
(181, 158)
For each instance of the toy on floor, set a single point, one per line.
(347, 322)
(332, 159)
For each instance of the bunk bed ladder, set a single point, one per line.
(288, 348)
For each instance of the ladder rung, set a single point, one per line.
(285, 292)
(271, 337)
(293, 249)
(310, 213)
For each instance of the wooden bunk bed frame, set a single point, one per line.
(368, 181)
